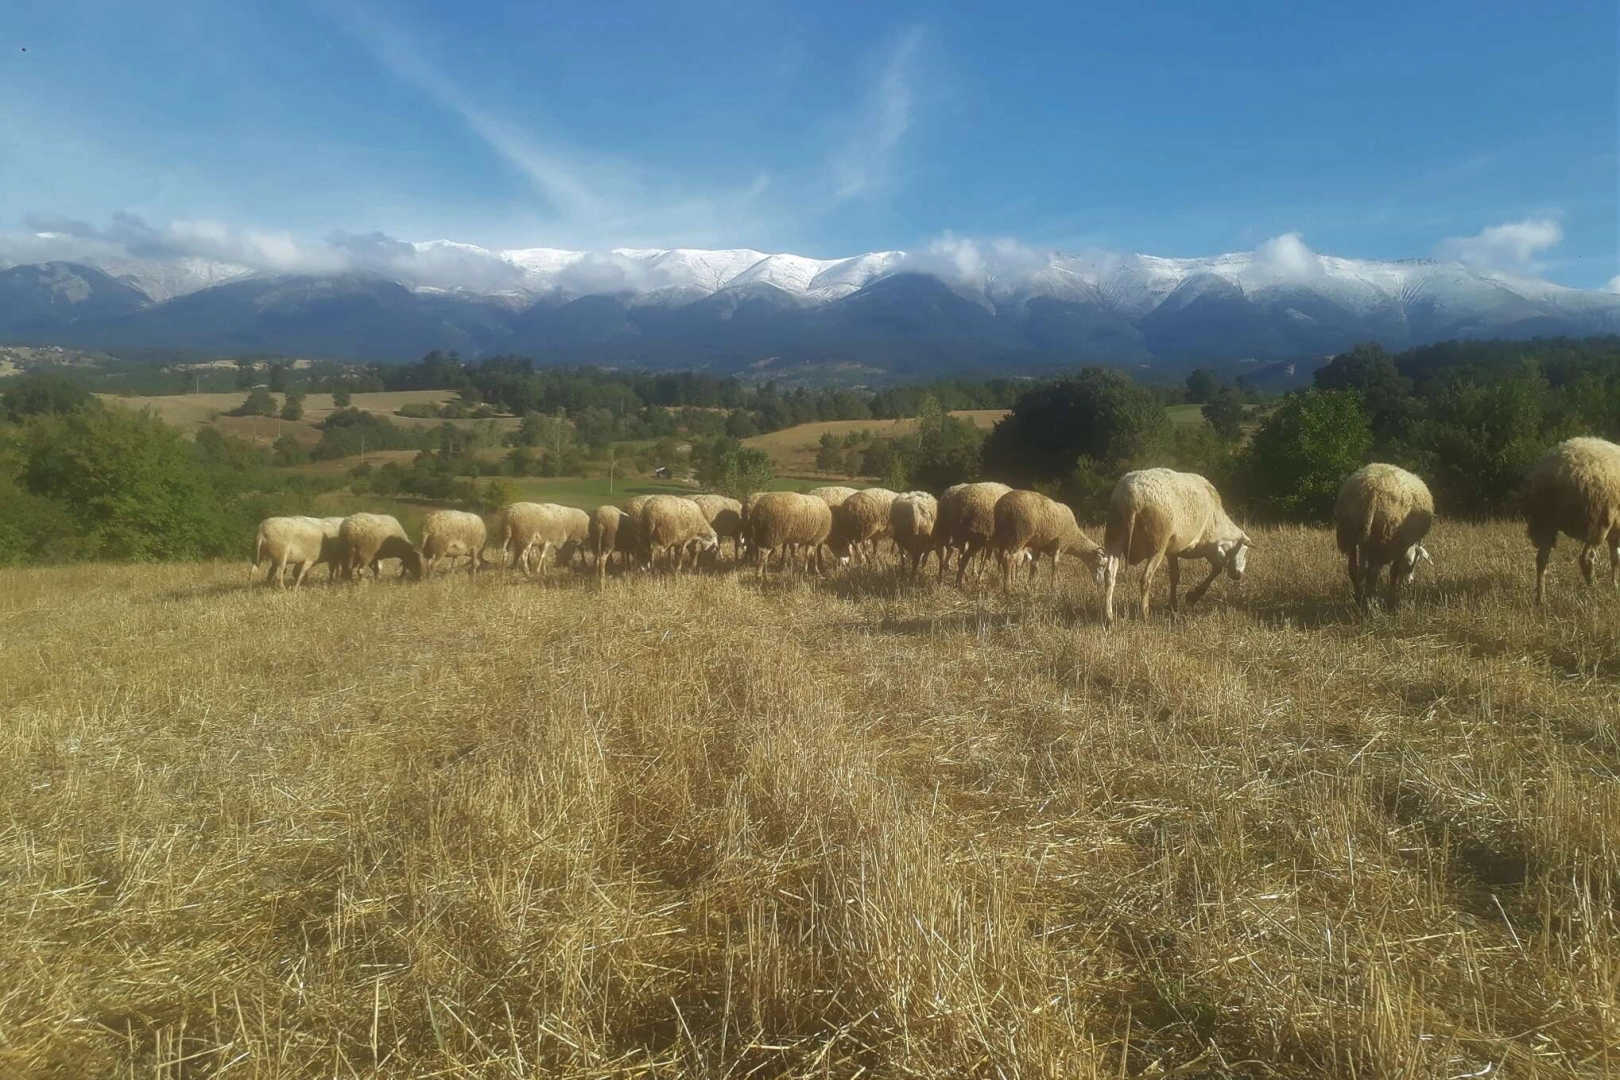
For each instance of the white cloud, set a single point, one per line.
(975, 264)
(1287, 255)
(1613, 285)
(1511, 246)
(865, 162)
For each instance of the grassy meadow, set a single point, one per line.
(692, 826)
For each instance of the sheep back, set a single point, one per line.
(1575, 489)
(1382, 510)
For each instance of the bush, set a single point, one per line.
(42, 394)
(342, 398)
(259, 402)
(1099, 414)
(1303, 451)
(132, 486)
(292, 408)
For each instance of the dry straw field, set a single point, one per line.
(693, 827)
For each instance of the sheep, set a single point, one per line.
(529, 531)
(1381, 517)
(1159, 514)
(1575, 489)
(1028, 525)
(606, 523)
(301, 542)
(967, 522)
(672, 526)
(578, 524)
(784, 519)
(911, 523)
(725, 516)
(364, 540)
(627, 541)
(450, 534)
(833, 495)
(860, 521)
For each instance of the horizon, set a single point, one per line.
(283, 138)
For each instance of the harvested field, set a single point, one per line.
(692, 826)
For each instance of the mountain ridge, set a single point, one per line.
(995, 310)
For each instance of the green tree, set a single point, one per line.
(1302, 452)
(259, 402)
(948, 449)
(292, 407)
(280, 375)
(830, 453)
(132, 485)
(1369, 372)
(1098, 414)
(1225, 413)
(342, 398)
(1479, 440)
(288, 451)
(42, 394)
(735, 470)
(246, 374)
(1202, 385)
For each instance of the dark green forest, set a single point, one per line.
(83, 480)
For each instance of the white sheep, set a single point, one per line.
(671, 528)
(725, 516)
(365, 540)
(299, 542)
(783, 520)
(530, 531)
(967, 523)
(1029, 524)
(1381, 517)
(911, 522)
(1159, 514)
(606, 524)
(451, 534)
(1575, 490)
(860, 521)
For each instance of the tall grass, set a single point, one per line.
(692, 826)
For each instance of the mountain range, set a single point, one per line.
(1006, 310)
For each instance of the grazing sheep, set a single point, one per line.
(911, 523)
(1159, 514)
(299, 542)
(605, 525)
(1575, 490)
(787, 519)
(627, 542)
(529, 531)
(365, 540)
(578, 524)
(1381, 518)
(833, 495)
(450, 534)
(967, 523)
(672, 527)
(860, 521)
(725, 516)
(1028, 525)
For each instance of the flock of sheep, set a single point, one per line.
(1155, 517)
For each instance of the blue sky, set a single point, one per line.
(1482, 131)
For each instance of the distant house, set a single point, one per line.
(662, 472)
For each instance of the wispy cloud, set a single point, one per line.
(865, 162)
(1512, 246)
(1613, 285)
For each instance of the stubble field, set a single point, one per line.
(689, 826)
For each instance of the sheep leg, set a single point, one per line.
(1110, 577)
(1173, 568)
(1394, 585)
(298, 578)
(1203, 586)
(1588, 563)
(278, 573)
(1352, 567)
(1614, 561)
(1148, 570)
(1543, 557)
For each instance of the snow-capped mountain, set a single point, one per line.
(950, 307)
